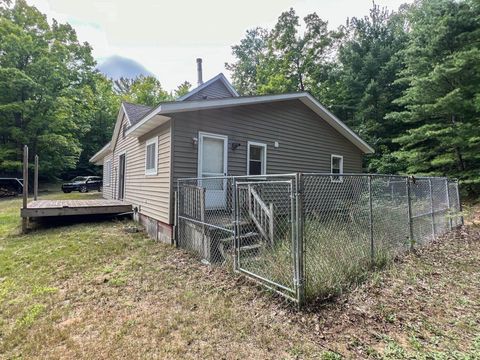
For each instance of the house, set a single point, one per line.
(212, 131)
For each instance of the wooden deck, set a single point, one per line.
(44, 208)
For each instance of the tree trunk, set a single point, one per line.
(299, 74)
(461, 163)
(300, 79)
(458, 153)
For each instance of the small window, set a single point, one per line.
(337, 167)
(107, 172)
(256, 158)
(151, 156)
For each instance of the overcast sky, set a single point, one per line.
(167, 36)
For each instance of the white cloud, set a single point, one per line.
(167, 36)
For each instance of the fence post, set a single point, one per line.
(25, 186)
(178, 203)
(271, 225)
(236, 227)
(459, 203)
(432, 209)
(299, 249)
(35, 180)
(175, 217)
(233, 200)
(208, 253)
(370, 203)
(410, 220)
(448, 205)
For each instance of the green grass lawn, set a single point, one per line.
(91, 290)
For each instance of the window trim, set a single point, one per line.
(340, 178)
(108, 165)
(264, 160)
(153, 171)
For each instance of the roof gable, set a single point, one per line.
(217, 87)
(135, 112)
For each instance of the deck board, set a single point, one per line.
(43, 208)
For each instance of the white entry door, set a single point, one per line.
(212, 162)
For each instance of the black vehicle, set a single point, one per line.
(10, 186)
(83, 184)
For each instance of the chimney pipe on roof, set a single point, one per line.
(199, 71)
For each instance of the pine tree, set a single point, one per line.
(441, 101)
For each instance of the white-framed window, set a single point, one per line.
(151, 156)
(256, 158)
(107, 173)
(336, 167)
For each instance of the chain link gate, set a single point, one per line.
(265, 236)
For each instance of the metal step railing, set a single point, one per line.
(261, 214)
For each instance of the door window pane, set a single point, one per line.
(212, 156)
(212, 184)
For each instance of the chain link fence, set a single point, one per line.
(205, 218)
(309, 236)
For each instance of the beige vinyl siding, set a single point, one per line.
(306, 142)
(150, 192)
(216, 90)
(107, 190)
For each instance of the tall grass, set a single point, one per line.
(337, 249)
(337, 257)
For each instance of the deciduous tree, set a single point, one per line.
(46, 76)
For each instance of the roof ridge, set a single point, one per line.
(220, 76)
(135, 104)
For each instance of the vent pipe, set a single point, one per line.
(199, 71)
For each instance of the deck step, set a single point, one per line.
(230, 239)
(251, 247)
(241, 224)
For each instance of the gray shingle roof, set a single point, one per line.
(135, 112)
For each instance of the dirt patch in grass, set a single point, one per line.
(92, 290)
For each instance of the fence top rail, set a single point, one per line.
(352, 174)
(206, 178)
(289, 182)
(381, 175)
(238, 177)
(196, 187)
(260, 177)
